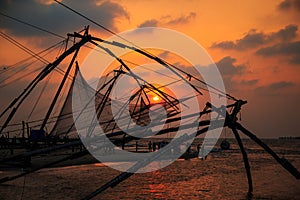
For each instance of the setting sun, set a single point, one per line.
(156, 98)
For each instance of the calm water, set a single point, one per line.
(221, 176)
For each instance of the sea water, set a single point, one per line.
(220, 176)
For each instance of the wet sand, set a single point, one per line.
(221, 176)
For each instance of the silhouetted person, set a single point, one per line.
(2, 141)
(154, 146)
(150, 146)
(136, 146)
(198, 147)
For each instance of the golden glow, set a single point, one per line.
(156, 98)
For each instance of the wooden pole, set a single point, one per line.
(59, 89)
(51, 66)
(246, 161)
(23, 131)
(282, 161)
(28, 130)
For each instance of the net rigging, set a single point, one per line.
(229, 117)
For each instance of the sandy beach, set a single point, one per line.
(221, 176)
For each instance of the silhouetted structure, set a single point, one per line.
(139, 111)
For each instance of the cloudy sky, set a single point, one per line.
(255, 44)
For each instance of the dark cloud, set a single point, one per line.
(227, 66)
(149, 23)
(280, 85)
(250, 40)
(183, 19)
(165, 20)
(286, 34)
(274, 89)
(291, 49)
(229, 69)
(289, 4)
(56, 18)
(164, 54)
(249, 82)
(255, 39)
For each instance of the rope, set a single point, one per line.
(39, 97)
(112, 32)
(31, 25)
(16, 43)
(94, 22)
(23, 188)
(47, 51)
(10, 67)
(142, 50)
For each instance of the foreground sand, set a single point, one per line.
(221, 176)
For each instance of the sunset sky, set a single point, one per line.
(255, 44)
